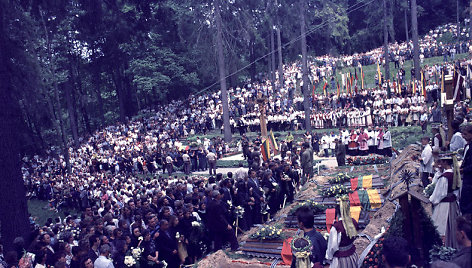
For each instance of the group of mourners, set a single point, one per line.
(127, 208)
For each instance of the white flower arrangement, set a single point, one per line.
(129, 261)
(136, 252)
(164, 264)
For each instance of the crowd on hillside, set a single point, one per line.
(115, 177)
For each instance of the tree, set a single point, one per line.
(386, 54)
(306, 85)
(221, 69)
(414, 31)
(13, 211)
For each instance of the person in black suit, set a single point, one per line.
(94, 242)
(167, 246)
(218, 225)
(465, 203)
(256, 195)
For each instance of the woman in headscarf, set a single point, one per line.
(444, 199)
(341, 251)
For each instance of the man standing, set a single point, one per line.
(465, 202)
(387, 142)
(167, 245)
(464, 235)
(218, 226)
(289, 140)
(103, 261)
(340, 151)
(307, 162)
(186, 159)
(426, 161)
(169, 165)
(211, 162)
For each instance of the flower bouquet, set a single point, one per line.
(428, 191)
(314, 206)
(335, 191)
(130, 261)
(340, 178)
(267, 232)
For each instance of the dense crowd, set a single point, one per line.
(127, 207)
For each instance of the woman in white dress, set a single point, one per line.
(444, 199)
(341, 251)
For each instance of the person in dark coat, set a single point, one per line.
(340, 151)
(218, 225)
(167, 246)
(306, 219)
(465, 202)
(464, 235)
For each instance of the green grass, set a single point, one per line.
(41, 211)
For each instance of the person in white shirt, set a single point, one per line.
(103, 261)
(325, 144)
(371, 140)
(212, 162)
(426, 161)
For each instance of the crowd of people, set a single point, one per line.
(128, 207)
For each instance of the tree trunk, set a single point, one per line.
(71, 105)
(81, 100)
(272, 55)
(279, 47)
(56, 117)
(306, 86)
(414, 30)
(470, 20)
(386, 54)
(252, 56)
(406, 22)
(98, 93)
(70, 109)
(458, 24)
(119, 92)
(14, 209)
(221, 69)
(391, 29)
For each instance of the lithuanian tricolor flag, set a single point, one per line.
(379, 74)
(324, 88)
(265, 150)
(273, 142)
